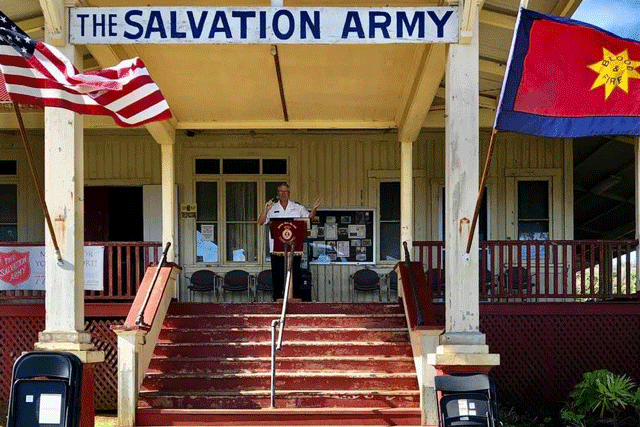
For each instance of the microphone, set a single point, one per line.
(275, 199)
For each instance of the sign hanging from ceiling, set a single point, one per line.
(263, 25)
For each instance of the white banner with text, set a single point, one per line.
(23, 268)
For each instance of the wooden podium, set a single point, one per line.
(288, 236)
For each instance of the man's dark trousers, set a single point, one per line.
(279, 272)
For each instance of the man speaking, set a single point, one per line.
(283, 207)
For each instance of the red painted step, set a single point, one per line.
(259, 399)
(210, 321)
(293, 334)
(212, 365)
(263, 364)
(292, 308)
(280, 417)
(284, 381)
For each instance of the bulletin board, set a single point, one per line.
(342, 236)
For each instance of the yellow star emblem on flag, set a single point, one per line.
(614, 71)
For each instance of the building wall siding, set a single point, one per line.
(341, 167)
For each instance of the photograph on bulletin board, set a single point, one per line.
(342, 236)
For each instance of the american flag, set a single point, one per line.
(39, 74)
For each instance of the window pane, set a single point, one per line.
(241, 201)
(241, 166)
(389, 241)
(242, 242)
(271, 190)
(208, 166)
(533, 199)
(389, 201)
(533, 230)
(8, 233)
(206, 242)
(8, 167)
(8, 203)
(274, 166)
(207, 201)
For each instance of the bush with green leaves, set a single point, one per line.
(601, 398)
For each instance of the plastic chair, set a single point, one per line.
(37, 377)
(203, 281)
(236, 281)
(366, 280)
(466, 400)
(264, 283)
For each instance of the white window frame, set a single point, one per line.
(554, 178)
(375, 177)
(222, 180)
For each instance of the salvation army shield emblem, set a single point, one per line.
(14, 267)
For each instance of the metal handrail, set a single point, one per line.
(288, 253)
(140, 317)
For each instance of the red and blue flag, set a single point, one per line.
(568, 79)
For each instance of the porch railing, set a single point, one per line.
(124, 267)
(512, 270)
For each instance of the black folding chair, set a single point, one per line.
(203, 281)
(466, 400)
(366, 280)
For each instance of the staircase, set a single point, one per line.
(340, 364)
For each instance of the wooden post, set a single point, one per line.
(406, 195)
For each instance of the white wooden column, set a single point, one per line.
(462, 347)
(406, 196)
(168, 198)
(461, 188)
(64, 195)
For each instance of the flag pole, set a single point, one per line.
(36, 181)
(485, 174)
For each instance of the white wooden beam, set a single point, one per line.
(292, 124)
(35, 120)
(54, 13)
(470, 10)
(422, 87)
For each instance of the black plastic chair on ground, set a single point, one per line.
(236, 281)
(366, 280)
(466, 400)
(203, 281)
(264, 283)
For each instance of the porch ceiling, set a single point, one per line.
(324, 86)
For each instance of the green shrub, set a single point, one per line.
(601, 395)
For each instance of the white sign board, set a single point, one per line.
(23, 268)
(263, 25)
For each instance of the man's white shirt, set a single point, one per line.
(293, 210)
